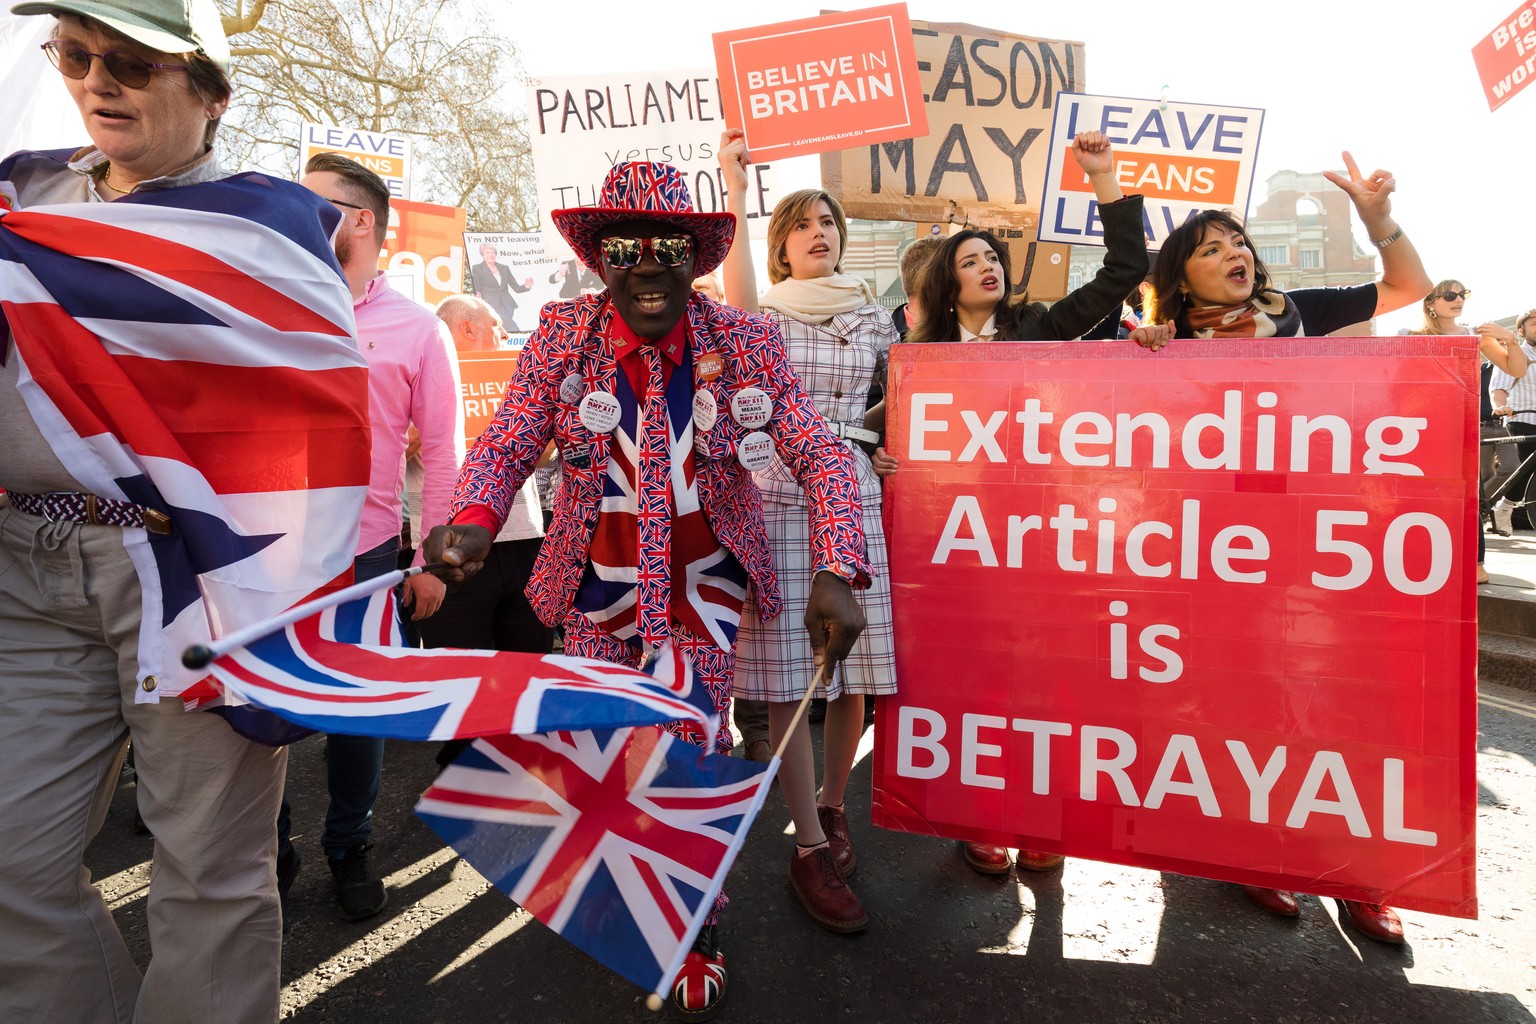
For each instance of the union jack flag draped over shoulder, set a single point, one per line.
(191, 350)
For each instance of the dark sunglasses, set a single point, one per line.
(342, 202)
(129, 69)
(626, 253)
(1453, 296)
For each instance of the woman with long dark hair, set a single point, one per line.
(965, 295)
(1210, 283)
(966, 289)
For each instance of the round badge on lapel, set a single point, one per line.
(599, 412)
(711, 365)
(705, 411)
(570, 389)
(752, 408)
(755, 451)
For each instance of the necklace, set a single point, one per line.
(107, 180)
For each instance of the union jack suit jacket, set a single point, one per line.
(572, 339)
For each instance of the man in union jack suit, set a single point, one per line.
(661, 402)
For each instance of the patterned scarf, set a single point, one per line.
(1269, 314)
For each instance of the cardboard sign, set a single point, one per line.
(1506, 59)
(1161, 611)
(819, 84)
(388, 156)
(424, 252)
(580, 126)
(483, 378)
(1181, 157)
(524, 278)
(990, 97)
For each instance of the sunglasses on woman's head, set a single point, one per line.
(1453, 296)
(129, 69)
(626, 253)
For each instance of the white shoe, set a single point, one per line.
(1504, 518)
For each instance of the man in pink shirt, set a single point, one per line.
(413, 378)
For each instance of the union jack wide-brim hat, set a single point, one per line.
(646, 191)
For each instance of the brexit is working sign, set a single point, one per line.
(1181, 157)
(1208, 610)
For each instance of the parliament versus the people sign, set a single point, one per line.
(1208, 610)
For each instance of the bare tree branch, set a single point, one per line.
(424, 69)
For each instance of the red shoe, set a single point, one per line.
(1374, 920)
(986, 858)
(1029, 860)
(698, 991)
(824, 892)
(1276, 901)
(834, 822)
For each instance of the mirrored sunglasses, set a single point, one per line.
(129, 69)
(626, 253)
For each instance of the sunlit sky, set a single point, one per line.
(1397, 89)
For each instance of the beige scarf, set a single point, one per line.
(816, 300)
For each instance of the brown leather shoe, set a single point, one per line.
(1374, 920)
(824, 893)
(1276, 901)
(834, 822)
(1029, 860)
(986, 858)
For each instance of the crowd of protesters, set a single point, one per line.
(799, 529)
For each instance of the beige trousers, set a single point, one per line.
(69, 619)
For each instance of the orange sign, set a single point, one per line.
(821, 84)
(1506, 59)
(1161, 176)
(424, 250)
(483, 378)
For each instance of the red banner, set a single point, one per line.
(1506, 57)
(1208, 610)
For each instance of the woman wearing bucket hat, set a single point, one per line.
(82, 664)
(597, 377)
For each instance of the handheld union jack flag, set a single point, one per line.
(342, 671)
(190, 351)
(619, 841)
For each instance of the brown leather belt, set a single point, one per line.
(74, 507)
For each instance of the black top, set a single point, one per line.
(1325, 310)
(1125, 264)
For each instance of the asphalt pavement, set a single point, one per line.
(1091, 943)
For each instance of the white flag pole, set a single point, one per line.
(200, 656)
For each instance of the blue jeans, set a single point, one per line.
(354, 765)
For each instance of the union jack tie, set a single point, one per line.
(655, 506)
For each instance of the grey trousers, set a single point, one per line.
(69, 619)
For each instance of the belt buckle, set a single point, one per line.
(55, 502)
